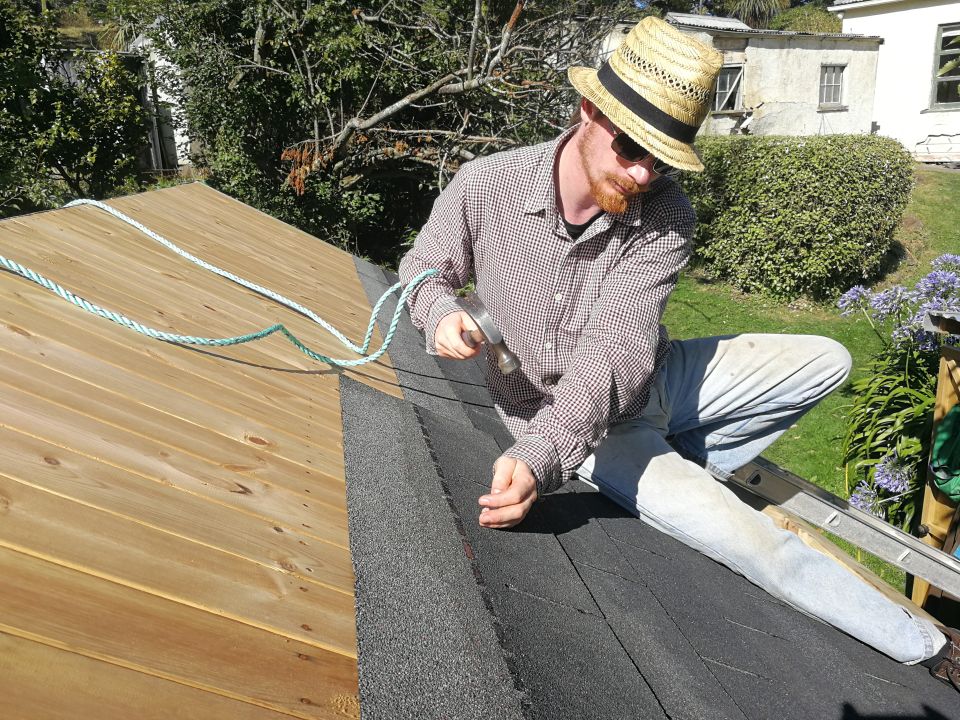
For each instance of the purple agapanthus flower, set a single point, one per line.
(865, 498)
(853, 299)
(892, 476)
(947, 262)
(903, 310)
(938, 284)
(888, 303)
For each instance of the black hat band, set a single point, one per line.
(643, 108)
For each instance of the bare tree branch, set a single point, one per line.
(355, 124)
(486, 77)
(473, 39)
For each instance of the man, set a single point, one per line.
(575, 246)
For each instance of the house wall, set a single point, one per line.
(905, 73)
(170, 146)
(781, 81)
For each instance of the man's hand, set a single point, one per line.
(452, 338)
(512, 494)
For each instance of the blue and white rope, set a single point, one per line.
(120, 319)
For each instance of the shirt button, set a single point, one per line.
(558, 297)
(548, 346)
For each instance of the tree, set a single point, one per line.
(24, 39)
(98, 133)
(70, 125)
(345, 118)
(758, 13)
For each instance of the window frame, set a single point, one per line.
(937, 54)
(821, 85)
(738, 98)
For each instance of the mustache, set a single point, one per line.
(626, 183)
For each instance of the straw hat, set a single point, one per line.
(656, 87)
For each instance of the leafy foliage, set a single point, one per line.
(889, 425)
(346, 118)
(891, 417)
(24, 39)
(798, 216)
(806, 18)
(758, 13)
(98, 129)
(70, 125)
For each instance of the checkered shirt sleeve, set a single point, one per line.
(582, 315)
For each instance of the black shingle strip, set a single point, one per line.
(574, 517)
(529, 558)
(773, 660)
(469, 383)
(684, 686)
(427, 647)
(572, 663)
(422, 376)
(421, 380)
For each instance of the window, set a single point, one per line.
(727, 96)
(831, 85)
(946, 81)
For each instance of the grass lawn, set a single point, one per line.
(811, 449)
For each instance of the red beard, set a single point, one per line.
(604, 192)
(607, 196)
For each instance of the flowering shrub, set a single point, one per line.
(890, 420)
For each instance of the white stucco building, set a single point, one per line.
(918, 74)
(791, 83)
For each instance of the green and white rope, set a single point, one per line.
(120, 319)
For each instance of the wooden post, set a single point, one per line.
(939, 514)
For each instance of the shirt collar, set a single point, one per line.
(542, 191)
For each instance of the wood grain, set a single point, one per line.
(173, 527)
(84, 687)
(938, 512)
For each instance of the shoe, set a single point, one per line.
(948, 669)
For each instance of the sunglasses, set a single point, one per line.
(632, 151)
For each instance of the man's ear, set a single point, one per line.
(588, 111)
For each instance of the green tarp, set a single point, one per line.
(945, 456)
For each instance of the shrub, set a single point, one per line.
(806, 18)
(799, 215)
(891, 417)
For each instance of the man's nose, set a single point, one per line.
(642, 172)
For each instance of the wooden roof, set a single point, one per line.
(173, 529)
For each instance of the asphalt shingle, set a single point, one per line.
(597, 614)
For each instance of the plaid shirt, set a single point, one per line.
(582, 315)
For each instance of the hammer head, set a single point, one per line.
(474, 307)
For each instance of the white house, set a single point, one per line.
(788, 83)
(169, 145)
(918, 74)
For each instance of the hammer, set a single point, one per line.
(487, 332)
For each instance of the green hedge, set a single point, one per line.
(791, 216)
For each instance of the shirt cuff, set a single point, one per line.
(442, 306)
(541, 457)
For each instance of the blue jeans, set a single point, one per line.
(716, 405)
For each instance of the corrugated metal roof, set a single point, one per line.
(706, 21)
(731, 25)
